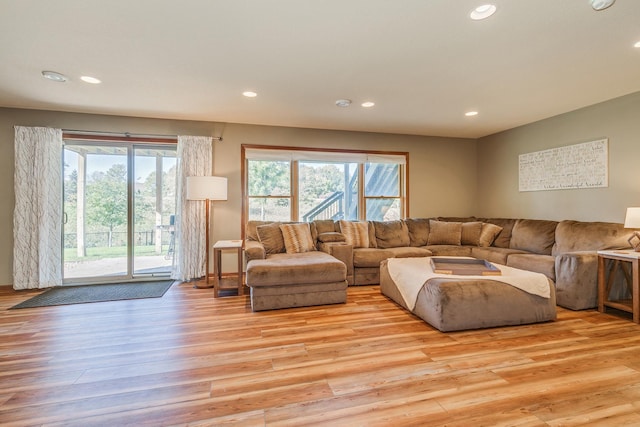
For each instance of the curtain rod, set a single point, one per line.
(127, 135)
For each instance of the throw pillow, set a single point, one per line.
(297, 238)
(356, 233)
(444, 233)
(471, 233)
(504, 237)
(251, 231)
(271, 238)
(488, 234)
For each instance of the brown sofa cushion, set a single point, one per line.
(457, 218)
(409, 252)
(297, 238)
(504, 238)
(325, 226)
(493, 254)
(544, 264)
(450, 250)
(534, 235)
(286, 269)
(330, 237)
(271, 238)
(391, 234)
(576, 283)
(372, 235)
(370, 257)
(488, 234)
(356, 233)
(253, 250)
(251, 232)
(471, 233)
(314, 232)
(444, 233)
(573, 236)
(418, 231)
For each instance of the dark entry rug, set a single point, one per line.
(64, 295)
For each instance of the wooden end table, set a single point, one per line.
(628, 263)
(234, 280)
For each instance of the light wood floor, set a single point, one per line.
(189, 359)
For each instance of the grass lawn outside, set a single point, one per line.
(71, 254)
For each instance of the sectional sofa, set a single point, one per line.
(565, 251)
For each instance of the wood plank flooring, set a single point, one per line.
(190, 359)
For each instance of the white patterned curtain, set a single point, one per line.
(37, 217)
(195, 155)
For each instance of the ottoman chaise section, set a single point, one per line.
(296, 280)
(453, 304)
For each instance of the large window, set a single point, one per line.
(300, 185)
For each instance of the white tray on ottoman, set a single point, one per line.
(456, 302)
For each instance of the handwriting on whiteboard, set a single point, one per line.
(584, 165)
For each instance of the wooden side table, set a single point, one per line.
(628, 263)
(233, 281)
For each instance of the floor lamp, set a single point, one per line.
(206, 188)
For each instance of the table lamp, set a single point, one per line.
(632, 220)
(206, 188)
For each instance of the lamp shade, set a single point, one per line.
(206, 187)
(632, 220)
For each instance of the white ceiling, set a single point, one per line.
(423, 62)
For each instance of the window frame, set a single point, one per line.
(296, 154)
(247, 197)
(366, 198)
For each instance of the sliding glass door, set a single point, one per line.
(119, 202)
(154, 204)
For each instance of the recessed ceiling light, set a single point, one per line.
(368, 104)
(637, 44)
(89, 79)
(343, 102)
(54, 76)
(601, 4)
(249, 94)
(482, 12)
(471, 113)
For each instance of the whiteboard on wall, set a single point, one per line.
(584, 165)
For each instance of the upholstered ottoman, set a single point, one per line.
(296, 280)
(458, 303)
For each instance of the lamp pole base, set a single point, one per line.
(204, 284)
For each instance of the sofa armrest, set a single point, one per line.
(341, 251)
(254, 250)
(577, 279)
